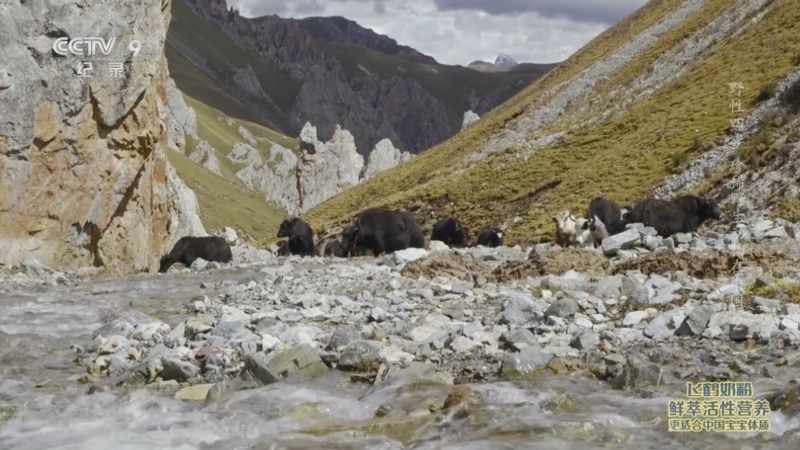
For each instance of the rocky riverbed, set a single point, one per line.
(476, 348)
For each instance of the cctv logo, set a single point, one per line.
(83, 46)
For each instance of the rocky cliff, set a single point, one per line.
(85, 180)
(328, 71)
(294, 180)
(345, 31)
(323, 169)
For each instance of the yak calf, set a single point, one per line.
(493, 237)
(301, 237)
(607, 212)
(334, 248)
(189, 248)
(451, 232)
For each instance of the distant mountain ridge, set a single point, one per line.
(502, 62)
(282, 73)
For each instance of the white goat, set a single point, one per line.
(570, 230)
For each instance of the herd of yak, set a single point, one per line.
(380, 230)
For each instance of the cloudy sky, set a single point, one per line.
(461, 31)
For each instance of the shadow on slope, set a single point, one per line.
(221, 51)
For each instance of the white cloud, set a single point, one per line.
(467, 33)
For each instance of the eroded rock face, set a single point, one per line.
(82, 162)
(384, 157)
(469, 118)
(323, 169)
(329, 168)
(183, 119)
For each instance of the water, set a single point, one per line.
(39, 325)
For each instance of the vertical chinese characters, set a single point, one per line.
(737, 123)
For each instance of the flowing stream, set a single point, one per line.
(44, 406)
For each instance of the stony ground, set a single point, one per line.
(641, 313)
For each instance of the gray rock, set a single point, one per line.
(360, 356)
(342, 336)
(520, 309)
(519, 336)
(637, 372)
(257, 364)
(634, 318)
(620, 241)
(665, 325)
(682, 238)
(695, 322)
(301, 359)
(564, 308)
(585, 340)
(766, 305)
(461, 344)
(178, 370)
(124, 324)
(776, 233)
(527, 362)
(608, 287)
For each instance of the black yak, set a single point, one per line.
(607, 212)
(189, 248)
(492, 237)
(451, 232)
(384, 231)
(301, 237)
(699, 210)
(682, 215)
(334, 248)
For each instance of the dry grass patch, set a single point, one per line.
(788, 208)
(709, 265)
(444, 265)
(555, 262)
(785, 291)
(634, 147)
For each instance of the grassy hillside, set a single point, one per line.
(223, 200)
(449, 84)
(623, 156)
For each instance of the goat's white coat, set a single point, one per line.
(570, 226)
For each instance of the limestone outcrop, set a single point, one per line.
(297, 183)
(469, 118)
(384, 157)
(183, 120)
(84, 179)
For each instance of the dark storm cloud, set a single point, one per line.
(598, 11)
(380, 8)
